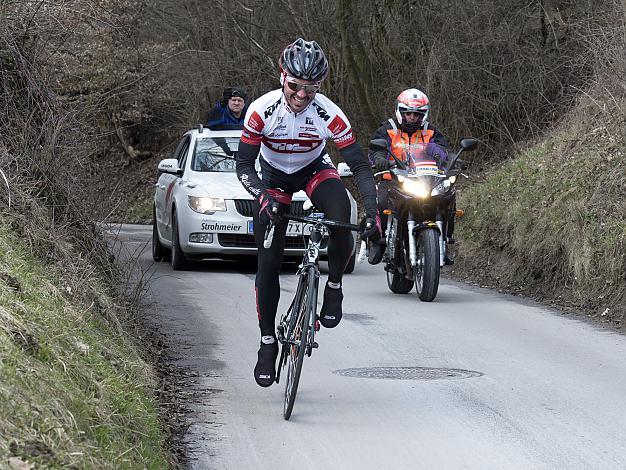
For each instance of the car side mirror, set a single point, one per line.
(169, 165)
(344, 170)
(469, 144)
(378, 144)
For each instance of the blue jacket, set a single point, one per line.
(220, 117)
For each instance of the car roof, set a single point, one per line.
(197, 133)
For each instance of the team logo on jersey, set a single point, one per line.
(321, 112)
(345, 140)
(337, 125)
(308, 136)
(309, 121)
(270, 109)
(255, 122)
(292, 145)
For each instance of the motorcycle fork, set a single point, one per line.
(442, 240)
(412, 240)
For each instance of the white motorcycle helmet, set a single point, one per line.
(413, 100)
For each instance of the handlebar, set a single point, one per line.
(269, 232)
(328, 222)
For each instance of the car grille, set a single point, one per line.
(244, 207)
(247, 241)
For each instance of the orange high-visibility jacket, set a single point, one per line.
(398, 140)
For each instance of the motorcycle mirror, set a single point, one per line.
(469, 144)
(378, 144)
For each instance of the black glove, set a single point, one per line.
(226, 95)
(271, 210)
(382, 164)
(370, 228)
(376, 251)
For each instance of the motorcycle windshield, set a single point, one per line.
(420, 162)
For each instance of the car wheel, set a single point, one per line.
(159, 252)
(179, 262)
(350, 266)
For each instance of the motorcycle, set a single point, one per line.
(417, 216)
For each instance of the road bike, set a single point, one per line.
(297, 327)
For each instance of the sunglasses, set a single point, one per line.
(412, 113)
(293, 86)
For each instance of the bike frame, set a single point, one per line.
(308, 272)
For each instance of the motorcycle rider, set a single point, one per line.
(288, 128)
(409, 126)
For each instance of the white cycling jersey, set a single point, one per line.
(291, 141)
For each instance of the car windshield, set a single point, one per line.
(216, 154)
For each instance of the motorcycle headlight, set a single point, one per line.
(206, 205)
(416, 188)
(442, 187)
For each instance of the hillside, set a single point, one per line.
(551, 221)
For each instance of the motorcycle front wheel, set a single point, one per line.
(397, 282)
(427, 269)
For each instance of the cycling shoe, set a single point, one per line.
(330, 315)
(265, 369)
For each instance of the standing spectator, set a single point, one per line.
(230, 111)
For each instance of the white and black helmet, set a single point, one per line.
(304, 60)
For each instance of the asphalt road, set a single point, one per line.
(474, 380)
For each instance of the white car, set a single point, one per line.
(201, 210)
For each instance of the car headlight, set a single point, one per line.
(416, 188)
(206, 205)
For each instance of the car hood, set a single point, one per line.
(223, 185)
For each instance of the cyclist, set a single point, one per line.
(410, 126)
(288, 127)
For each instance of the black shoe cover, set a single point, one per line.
(265, 370)
(330, 316)
(377, 249)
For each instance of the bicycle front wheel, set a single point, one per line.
(298, 338)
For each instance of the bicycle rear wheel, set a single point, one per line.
(297, 339)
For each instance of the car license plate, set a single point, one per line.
(294, 229)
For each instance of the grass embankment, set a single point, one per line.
(74, 392)
(551, 223)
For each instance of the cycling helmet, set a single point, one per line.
(304, 60)
(412, 100)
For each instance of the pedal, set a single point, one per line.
(315, 345)
(281, 333)
(450, 240)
